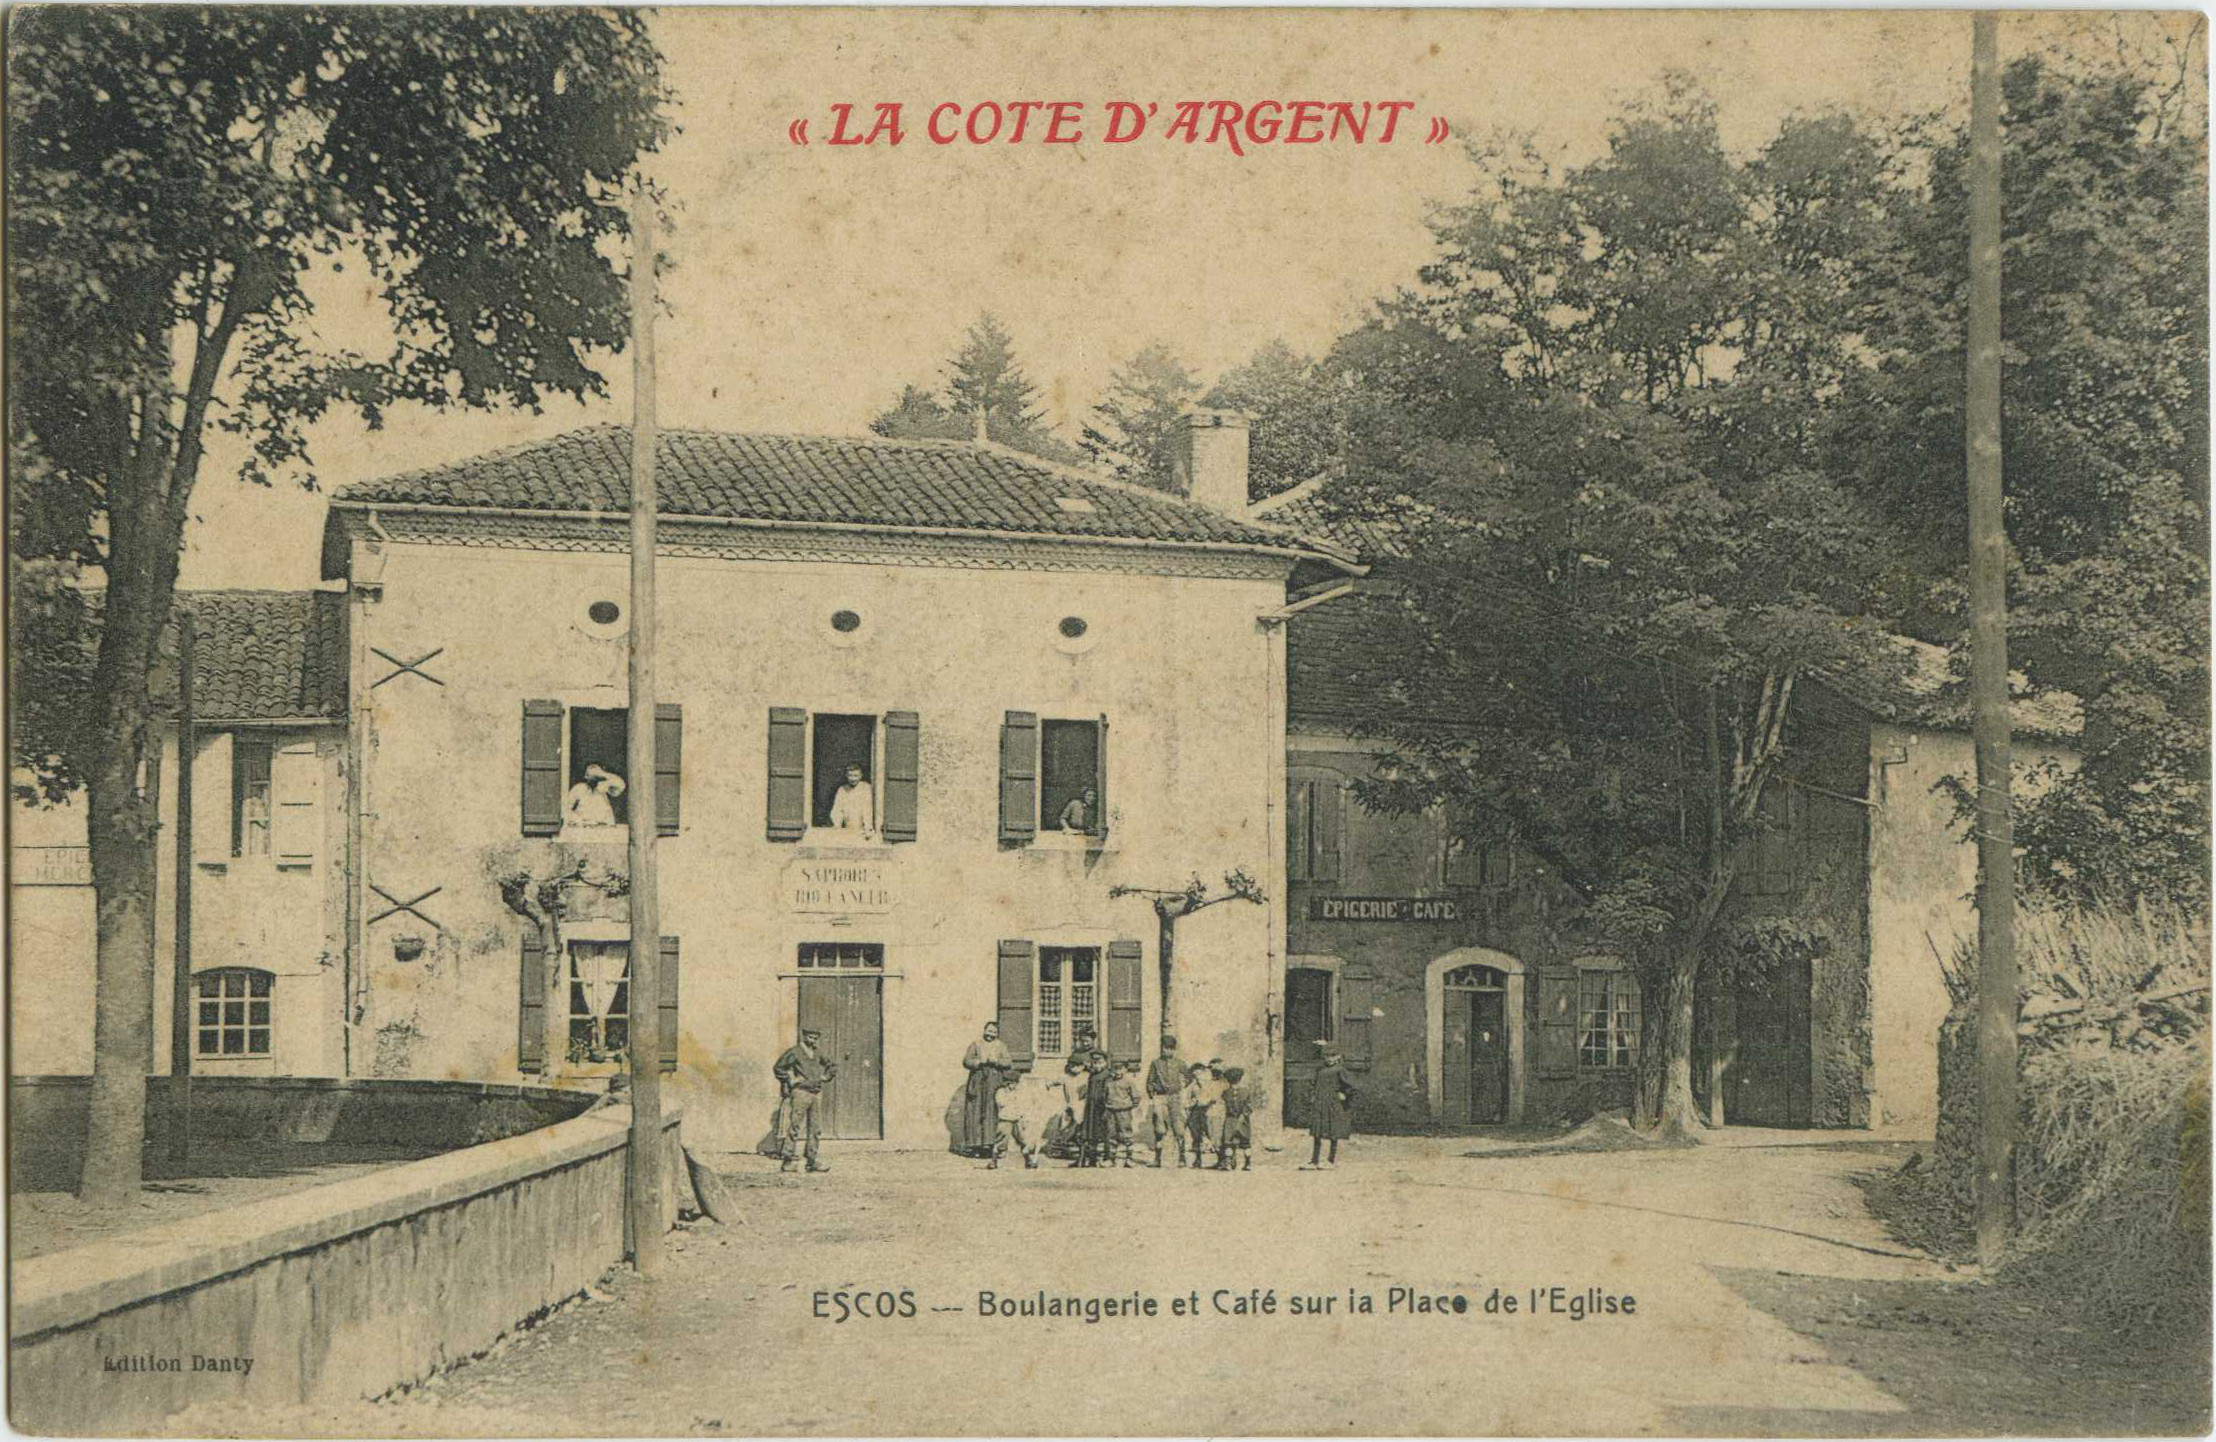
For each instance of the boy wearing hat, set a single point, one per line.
(1330, 1109)
(802, 1073)
(1165, 1086)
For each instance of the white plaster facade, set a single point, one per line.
(1179, 661)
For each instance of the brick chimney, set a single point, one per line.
(1209, 460)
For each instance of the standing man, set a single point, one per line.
(1165, 1084)
(802, 1073)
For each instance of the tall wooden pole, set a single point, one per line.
(645, 1012)
(180, 970)
(1996, 892)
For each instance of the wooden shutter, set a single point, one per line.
(1019, 777)
(1330, 810)
(212, 801)
(1100, 780)
(542, 768)
(1123, 1001)
(1017, 963)
(897, 799)
(1297, 806)
(531, 1013)
(665, 980)
(1357, 998)
(1556, 1052)
(296, 809)
(788, 773)
(669, 756)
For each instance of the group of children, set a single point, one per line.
(1189, 1110)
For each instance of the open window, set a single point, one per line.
(250, 797)
(843, 776)
(1053, 777)
(575, 765)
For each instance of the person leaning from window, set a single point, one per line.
(591, 802)
(1080, 814)
(855, 806)
(802, 1073)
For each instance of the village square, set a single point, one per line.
(1396, 845)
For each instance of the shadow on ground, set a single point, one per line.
(1967, 1359)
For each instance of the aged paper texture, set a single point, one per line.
(1197, 722)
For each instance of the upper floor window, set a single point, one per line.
(1483, 865)
(232, 1012)
(1315, 826)
(575, 760)
(1773, 851)
(848, 776)
(250, 799)
(1053, 776)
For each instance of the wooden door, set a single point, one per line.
(849, 1011)
(1767, 1079)
(1488, 1049)
(1308, 1016)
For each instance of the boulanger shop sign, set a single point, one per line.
(1384, 908)
(840, 886)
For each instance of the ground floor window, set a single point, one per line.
(1308, 1010)
(233, 1007)
(1068, 997)
(1608, 1020)
(599, 1000)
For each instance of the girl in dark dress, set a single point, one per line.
(1095, 1130)
(1330, 1110)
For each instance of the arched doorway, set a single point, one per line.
(1474, 1036)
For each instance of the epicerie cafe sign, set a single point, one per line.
(839, 886)
(1384, 908)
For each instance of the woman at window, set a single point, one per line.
(988, 1064)
(592, 801)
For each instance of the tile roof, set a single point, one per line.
(260, 656)
(830, 480)
(1305, 510)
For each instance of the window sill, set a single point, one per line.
(593, 836)
(824, 841)
(1074, 841)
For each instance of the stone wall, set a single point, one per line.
(341, 1291)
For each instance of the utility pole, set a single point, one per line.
(646, 924)
(1996, 851)
(180, 970)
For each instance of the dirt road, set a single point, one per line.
(1703, 1292)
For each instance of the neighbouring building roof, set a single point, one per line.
(1305, 509)
(863, 482)
(260, 656)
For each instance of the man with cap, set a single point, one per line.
(1165, 1085)
(802, 1074)
(1330, 1109)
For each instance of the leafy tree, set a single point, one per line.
(1299, 410)
(1134, 427)
(1626, 575)
(2105, 429)
(984, 375)
(174, 175)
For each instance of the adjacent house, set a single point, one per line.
(1455, 979)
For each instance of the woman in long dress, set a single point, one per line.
(988, 1064)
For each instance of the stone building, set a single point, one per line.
(1456, 983)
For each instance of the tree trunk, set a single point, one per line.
(1166, 951)
(1675, 1114)
(120, 833)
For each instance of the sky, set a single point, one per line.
(808, 284)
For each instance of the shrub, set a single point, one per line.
(2112, 1172)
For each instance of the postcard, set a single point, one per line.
(1047, 722)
